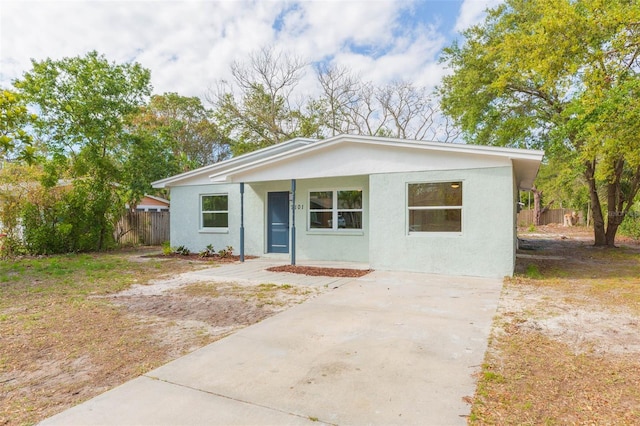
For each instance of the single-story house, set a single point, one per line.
(395, 204)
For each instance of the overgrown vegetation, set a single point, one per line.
(563, 76)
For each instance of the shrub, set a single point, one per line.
(227, 252)
(182, 250)
(630, 226)
(166, 248)
(208, 251)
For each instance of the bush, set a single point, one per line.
(224, 253)
(208, 251)
(182, 250)
(630, 226)
(166, 248)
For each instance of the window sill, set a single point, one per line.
(213, 231)
(355, 232)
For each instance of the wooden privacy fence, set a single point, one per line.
(145, 228)
(526, 217)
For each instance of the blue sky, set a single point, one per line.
(189, 45)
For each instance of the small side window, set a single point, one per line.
(214, 211)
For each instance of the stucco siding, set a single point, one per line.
(186, 228)
(483, 248)
(340, 245)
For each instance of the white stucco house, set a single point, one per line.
(395, 204)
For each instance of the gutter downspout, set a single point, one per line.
(241, 221)
(293, 221)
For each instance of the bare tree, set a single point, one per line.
(399, 109)
(255, 109)
(409, 108)
(340, 89)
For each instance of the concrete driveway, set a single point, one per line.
(387, 348)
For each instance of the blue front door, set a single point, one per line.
(278, 222)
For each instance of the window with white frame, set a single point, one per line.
(335, 209)
(214, 211)
(435, 207)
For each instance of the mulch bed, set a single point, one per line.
(321, 272)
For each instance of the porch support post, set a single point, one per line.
(293, 221)
(241, 221)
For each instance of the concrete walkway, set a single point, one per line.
(387, 348)
(255, 270)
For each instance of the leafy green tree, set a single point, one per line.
(16, 143)
(82, 105)
(184, 127)
(560, 75)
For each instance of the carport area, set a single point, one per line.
(387, 348)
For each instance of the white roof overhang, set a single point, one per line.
(201, 175)
(360, 155)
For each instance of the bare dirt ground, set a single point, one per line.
(587, 326)
(61, 346)
(185, 312)
(565, 347)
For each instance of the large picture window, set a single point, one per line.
(214, 211)
(435, 207)
(335, 209)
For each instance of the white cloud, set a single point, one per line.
(472, 12)
(188, 45)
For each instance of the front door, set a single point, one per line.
(278, 222)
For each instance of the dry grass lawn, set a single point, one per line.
(565, 347)
(72, 327)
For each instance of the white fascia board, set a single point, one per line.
(235, 161)
(510, 153)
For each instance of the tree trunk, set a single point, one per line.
(599, 234)
(610, 236)
(537, 206)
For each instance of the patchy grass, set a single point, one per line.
(67, 333)
(565, 347)
(261, 295)
(57, 338)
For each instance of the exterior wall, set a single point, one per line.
(484, 248)
(340, 245)
(185, 218)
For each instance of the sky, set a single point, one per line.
(190, 45)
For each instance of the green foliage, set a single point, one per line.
(83, 105)
(166, 248)
(171, 134)
(15, 141)
(533, 272)
(182, 250)
(630, 226)
(226, 252)
(208, 251)
(18, 184)
(256, 120)
(563, 76)
(63, 220)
